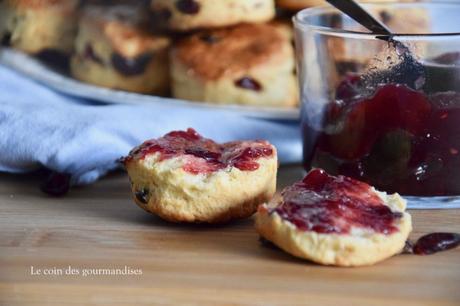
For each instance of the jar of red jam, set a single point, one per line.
(384, 110)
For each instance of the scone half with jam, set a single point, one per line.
(184, 177)
(335, 220)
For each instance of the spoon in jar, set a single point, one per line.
(409, 71)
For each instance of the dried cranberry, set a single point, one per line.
(6, 40)
(209, 38)
(190, 7)
(436, 242)
(57, 184)
(248, 83)
(91, 55)
(131, 66)
(143, 195)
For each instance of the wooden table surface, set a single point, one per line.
(99, 227)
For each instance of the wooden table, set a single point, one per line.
(99, 227)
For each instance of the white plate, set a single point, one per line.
(62, 83)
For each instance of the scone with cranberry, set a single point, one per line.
(335, 221)
(184, 177)
(249, 64)
(35, 26)
(115, 49)
(186, 15)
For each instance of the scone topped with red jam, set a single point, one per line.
(336, 220)
(184, 177)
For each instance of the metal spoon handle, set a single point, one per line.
(360, 15)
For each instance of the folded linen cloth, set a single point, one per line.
(43, 128)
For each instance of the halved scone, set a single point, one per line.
(335, 221)
(184, 177)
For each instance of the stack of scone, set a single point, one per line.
(222, 52)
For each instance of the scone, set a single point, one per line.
(114, 49)
(186, 15)
(35, 26)
(250, 64)
(183, 177)
(336, 221)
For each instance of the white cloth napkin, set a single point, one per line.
(42, 128)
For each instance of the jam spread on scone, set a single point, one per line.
(206, 155)
(335, 204)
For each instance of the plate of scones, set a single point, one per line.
(236, 55)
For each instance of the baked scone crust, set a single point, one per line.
(38, 25)
(179, 196)
(207, 65)
(120, 30)
(199, 14)
(359, 248)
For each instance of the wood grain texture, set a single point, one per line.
(100, 227)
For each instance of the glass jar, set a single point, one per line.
(385, 110)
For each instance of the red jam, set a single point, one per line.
(397, 139)
(335, 204)
(204, 155)
(436, 242)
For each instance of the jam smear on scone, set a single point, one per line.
(206, 156)
(335, 204)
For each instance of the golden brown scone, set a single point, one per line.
(250, 64)
(38, 25)
(115, 50)
(336, 221)
(183, 177)
(186, 15)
